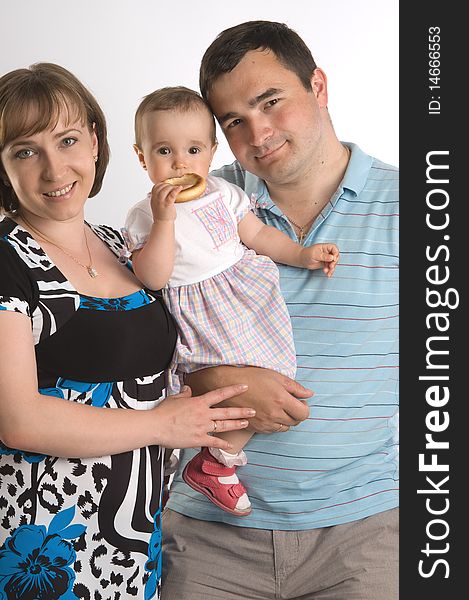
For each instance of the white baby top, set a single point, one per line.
(206, 231)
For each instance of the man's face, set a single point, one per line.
(274, 126)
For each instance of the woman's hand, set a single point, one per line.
(278, 400)
(184, 421)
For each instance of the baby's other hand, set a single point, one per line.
(163, 197)
(323, 256)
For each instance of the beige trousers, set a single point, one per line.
(214, 561)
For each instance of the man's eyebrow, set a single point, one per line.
(226, 117)
(251, 103)
(261, 97)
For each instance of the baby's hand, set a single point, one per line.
(319, 256)
(163, 196)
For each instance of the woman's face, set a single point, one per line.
(52, 172)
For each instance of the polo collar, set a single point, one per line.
(354, 180)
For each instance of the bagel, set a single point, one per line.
(196, 183)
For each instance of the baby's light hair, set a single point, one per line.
(171, 98)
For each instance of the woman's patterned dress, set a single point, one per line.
(83, 528)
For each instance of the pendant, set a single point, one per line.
(92, 272)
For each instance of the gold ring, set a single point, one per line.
(214, 427)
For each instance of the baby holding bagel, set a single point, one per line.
(195, 237)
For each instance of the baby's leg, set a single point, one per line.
(235, 457)
(238, 439)
(213, 473)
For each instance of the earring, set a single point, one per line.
(95, 158)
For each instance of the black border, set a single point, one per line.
(420, 133)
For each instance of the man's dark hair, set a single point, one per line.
(231, 45)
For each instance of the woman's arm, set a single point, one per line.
(271, 242)
(48, 425)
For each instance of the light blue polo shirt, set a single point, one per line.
(341, 464)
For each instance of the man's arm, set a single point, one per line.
(276, 398)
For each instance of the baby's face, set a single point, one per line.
(176, 142)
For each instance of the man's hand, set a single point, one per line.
(277, 399)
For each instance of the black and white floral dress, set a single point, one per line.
(83, 528)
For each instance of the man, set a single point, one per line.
(324, 523)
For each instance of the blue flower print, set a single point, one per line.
(154, 564)
(35, 563)
(100, 392)
(130, 302)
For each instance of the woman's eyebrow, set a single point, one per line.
(22, 142)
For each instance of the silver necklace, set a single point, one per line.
(91, 270)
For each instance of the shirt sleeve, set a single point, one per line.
(17, 293)
(233, 173)
(137, 225)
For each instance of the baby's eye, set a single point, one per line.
(164, 150)
(194, 150)
(25, 153)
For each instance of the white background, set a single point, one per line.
(122, 50)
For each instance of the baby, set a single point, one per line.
(214, 259)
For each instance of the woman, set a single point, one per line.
(80, 342)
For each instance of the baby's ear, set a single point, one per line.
(141, 158)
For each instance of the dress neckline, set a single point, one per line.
(96, 231)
